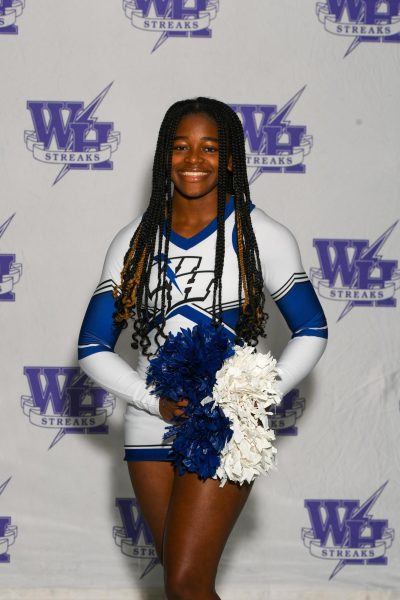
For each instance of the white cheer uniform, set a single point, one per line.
(189, 302)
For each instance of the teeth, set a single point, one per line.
(193, 173)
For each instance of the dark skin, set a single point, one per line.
(190, 519)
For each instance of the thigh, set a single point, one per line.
(200, 518)
(152, 483)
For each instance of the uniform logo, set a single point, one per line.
(10, 271)
(345, 531)
(354, 272)
(64, 398)
(8, 532)
(273, 144)
(67, 134)
(134, 537)
(285, 415)
(10, 10)
(373, 21)
(172, 18)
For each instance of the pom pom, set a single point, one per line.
(185, 367)
(246, 386)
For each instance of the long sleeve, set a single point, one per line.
(99, 335)
(295, 297)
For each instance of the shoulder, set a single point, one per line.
(272, 235)
(121, 241)
(116, 252)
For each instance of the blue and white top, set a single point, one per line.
(189, 302)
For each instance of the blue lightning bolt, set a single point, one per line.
(361, 513)
(367, 254)
(4, 485)
(84, 116)
(278, 119)
(170, 273)
(164, 36)
(5, 225)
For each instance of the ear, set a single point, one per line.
(229, 166)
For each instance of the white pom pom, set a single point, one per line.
(246, 385)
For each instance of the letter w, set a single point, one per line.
(254, 132)
(355, 8)
(341, 263)
(133, 526)
(55, 125)
(52, 392)
(161, 6)
(332, 523)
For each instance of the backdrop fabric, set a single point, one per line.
(84, 88)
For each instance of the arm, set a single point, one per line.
(99, 334)
(295, 297)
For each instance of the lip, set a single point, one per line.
(193, 175)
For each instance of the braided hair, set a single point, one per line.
(132, 296)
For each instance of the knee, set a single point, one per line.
(187, 585)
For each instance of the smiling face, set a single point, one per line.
(195, 159)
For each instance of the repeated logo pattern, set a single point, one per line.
(8, 532)
(68, 134)
(10, 271)
(345, 531)
(10, 10)
(372, 21)
(273, 144)
(285, 415)
(134, 537)
(172, 18)
(353, 271)
(65, 399)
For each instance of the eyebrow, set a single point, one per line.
(186, 137)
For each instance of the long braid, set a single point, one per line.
(149, 245)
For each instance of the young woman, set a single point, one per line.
(201, 253)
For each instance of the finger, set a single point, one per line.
(183, 402)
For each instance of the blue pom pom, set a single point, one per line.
(185, 367)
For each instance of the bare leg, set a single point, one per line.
(152, 483)
(200, 518)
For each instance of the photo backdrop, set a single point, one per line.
(84, 88)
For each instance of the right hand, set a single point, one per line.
(170, 409)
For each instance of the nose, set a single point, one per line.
(193, 156)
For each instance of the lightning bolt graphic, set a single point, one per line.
(5, 225)
(367, 254)
(164, 36)
(59, 436)
(278, 119)
(357, 40)
(361, 513)
(4, 485)
(170, 273)
(153, 563)
(84, 116)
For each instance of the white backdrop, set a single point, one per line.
(62, 490)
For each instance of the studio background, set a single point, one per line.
(69, 527)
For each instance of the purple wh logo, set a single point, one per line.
(283, 420)
(344, 531)
(10, 271)
(273, 144)
(66, 133)
(134, 537)
(10, 10)
(64, 398)
(363, 20)
(8, 532)
(353, 271)
(172, 18)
